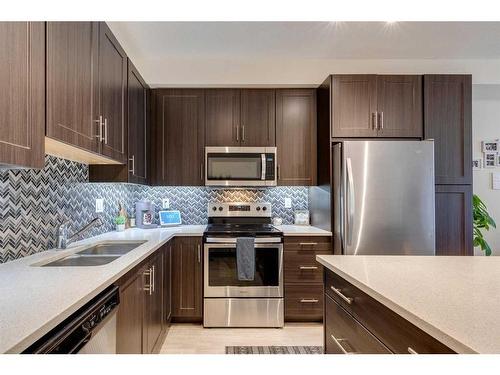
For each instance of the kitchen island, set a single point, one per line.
(440, 304)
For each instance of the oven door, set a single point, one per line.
(240, 166)
(221, 275)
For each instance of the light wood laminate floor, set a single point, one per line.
(194, 339)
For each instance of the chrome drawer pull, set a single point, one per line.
(411, 351)
(309, 300)
(339, 342)
(308, 243)
(338, 292)
(149, 287)
(308, 267)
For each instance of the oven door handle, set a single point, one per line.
(233, 240)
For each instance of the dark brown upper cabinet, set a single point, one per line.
(222, 117)
(296, 136)
(72, 78)
(257, 124)
(240, 117)
(134, 171)
(22, 103)
(177, 137)
(399, 106)
(448, 120)
(112, 95)
(377, 106)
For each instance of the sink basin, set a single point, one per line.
(111, 248)
(96, 255)
(82, 261)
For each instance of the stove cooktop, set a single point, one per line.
(243, 229)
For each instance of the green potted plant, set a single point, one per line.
(120, 223)
(481, 221)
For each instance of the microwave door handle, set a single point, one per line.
(263, 162)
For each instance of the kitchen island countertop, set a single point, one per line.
(452, 298)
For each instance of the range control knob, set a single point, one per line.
(220, 208)
(214, 208)
(264, 208)
(258, 208)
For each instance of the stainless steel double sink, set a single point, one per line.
(96, 255)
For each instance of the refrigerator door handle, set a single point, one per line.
(350, 206)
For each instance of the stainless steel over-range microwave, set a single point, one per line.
(240, 166)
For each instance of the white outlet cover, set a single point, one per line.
(99, 205)
(165, 202)
(288, 202)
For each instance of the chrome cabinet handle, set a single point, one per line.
(148, 287)
(338, 292)
(201, 171)
(308, 267)
(411, 351)
(374, 121)
(237, 133)
(339, 342)
(279, 175)
(305, 300)
(132, 160)
(153, 279)
(381, 122)
(308, 243)
(199, 254)
(105, 131)
(99, 136)
(243, 133)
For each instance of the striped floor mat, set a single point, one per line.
(274, 350)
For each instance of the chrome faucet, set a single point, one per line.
(62, 232)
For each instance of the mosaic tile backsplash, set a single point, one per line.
(34, 202)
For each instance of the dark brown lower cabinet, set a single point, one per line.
(304, 277)
(141, 319)
(187, 271)
(357, 323)
(454, 220)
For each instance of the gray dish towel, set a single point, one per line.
(245, 258)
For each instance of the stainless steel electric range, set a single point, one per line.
(228, 301)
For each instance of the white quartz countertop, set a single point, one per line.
(454, 299)
(302, 230)
(33, 300)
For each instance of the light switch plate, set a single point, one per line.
(496, 180)
(165, 203)
(288, 202)
(99, 205)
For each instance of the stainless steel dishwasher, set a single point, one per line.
(91, 330)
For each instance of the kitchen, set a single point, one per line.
(149, 210)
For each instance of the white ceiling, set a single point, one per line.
(154, 44)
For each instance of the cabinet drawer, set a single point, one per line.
(344, 335)
(304, 302)
(308, 243)
(398, 334)
(302, 267)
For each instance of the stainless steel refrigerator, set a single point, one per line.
(383, 198)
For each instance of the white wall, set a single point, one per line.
(486, 126)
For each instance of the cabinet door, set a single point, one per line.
(296, 136)
(354, 106)
(112, 94)
(137, 111)
(72, 83)
(258, 125)
(187, 294)
(399, 103)
(222, 120)
(454, 220)
(178, 138)
(130, 316)
(167, 285)
(22, 103)
(153, 307)
(448, 120)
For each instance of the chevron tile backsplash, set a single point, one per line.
(34, 202)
